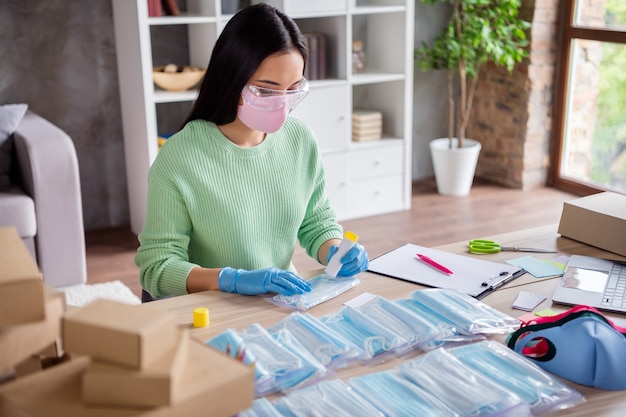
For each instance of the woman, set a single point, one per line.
(233, 190)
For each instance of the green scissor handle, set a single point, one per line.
(483, 246)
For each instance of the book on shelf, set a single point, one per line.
(170, 7)
(316, 65)
(154, 8)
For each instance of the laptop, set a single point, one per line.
(594, 282)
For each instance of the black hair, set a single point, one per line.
(250, 36)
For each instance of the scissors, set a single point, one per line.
(489, 246)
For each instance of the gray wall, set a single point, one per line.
(58, 56)
(430, 91)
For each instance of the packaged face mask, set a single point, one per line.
(328, 398)
(417, 331)
(324, 288)
(396, 396)
(261, 407)
(581, 336)
(543, 392)
(467, 313)
(376, 340)
(326, 345)
(461, 389)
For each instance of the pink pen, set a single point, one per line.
(434, 264)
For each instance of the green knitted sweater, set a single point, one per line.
(215, 204)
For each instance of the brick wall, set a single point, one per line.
(512, 114)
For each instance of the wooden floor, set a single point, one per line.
(432, 220)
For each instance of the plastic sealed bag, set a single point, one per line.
(376, 341)
(231, 343)
(395, 396)
(417, 331)
(327, 346)
(312, 369)
(328, 398)
(261, 407)
(467, 313)
(277, 368)
(450, 332)
(460, 388)
(543, 392)
(324, 288)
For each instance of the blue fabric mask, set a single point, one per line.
(583, 347)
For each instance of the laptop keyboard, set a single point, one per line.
(614, 294)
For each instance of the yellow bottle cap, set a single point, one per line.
(351, 236)
(200, 317)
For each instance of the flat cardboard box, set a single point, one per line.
(598, 220)
(22, 298)
(216, 385)
(120, 334)
(18, 343)
(158, 385)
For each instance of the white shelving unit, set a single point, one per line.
(363, 178)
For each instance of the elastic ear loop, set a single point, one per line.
(543, 350)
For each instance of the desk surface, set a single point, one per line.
(238, 312)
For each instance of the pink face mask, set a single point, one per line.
(266, 110)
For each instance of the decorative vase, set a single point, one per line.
(454, 167)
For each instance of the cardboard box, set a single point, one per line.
(597, 220)
(22, 298)
(18, 343)
(216, 386)
(120, 334)
(158, 385)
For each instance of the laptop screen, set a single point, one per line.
(585, 279)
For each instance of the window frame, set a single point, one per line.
(568, 33)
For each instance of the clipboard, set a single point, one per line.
(468, 276)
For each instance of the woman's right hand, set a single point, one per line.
(261, 281)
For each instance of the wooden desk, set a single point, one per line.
(238, 312)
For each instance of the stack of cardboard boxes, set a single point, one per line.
(30, 312)
(125, 360)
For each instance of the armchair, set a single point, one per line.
(44, 200)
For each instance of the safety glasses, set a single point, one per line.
(267, 99)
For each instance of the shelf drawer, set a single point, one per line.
(376, 196)
(376, 161)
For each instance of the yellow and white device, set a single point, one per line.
(334, 265)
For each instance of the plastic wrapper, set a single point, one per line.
(260, 408)
(231, 343)
(543, 392)
(327, 398)
(277, 368)
(324, 288)
(467, 313)
(417, 331)
(460, 388)
(395, 396)
(376, 341)
(450, 332)
(327, 346)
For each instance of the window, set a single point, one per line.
(590, 119)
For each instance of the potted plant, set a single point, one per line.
(479, 31)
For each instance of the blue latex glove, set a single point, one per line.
(353, 262)
(261, 281)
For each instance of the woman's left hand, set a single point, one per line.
(353, 262)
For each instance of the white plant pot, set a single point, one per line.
(454, 167)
